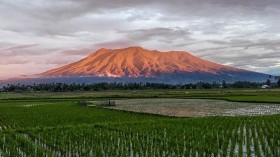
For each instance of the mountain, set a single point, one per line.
(135, 64)
(138, 62)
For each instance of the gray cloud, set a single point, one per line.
(22, 50)
(245, 44)
(21, 47)
(114, 44)
(13, 61)
(78, 52)
(241, 33)
(36, 15)
(167, 35)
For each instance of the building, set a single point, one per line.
(265, 86)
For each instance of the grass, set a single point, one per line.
(255, 98)
(50, 124)
(249, 95)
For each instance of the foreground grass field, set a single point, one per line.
(50, 124)
(247, 95)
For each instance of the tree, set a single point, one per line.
(278, 83)
(276, 78)
(224, 84)
(268, 82)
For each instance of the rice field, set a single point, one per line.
(253, 136)
(60, 128)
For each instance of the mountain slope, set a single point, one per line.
(138, 62)
(135, 64)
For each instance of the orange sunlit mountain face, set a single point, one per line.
(137, 62)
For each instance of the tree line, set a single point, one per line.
(62, 87)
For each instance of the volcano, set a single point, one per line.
(138, 62)
(135, 64)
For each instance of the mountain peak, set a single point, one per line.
(135, 47)
(102, 49)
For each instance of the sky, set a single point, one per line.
(38, 35)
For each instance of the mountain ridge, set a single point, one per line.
(137, 62)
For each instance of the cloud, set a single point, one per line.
(21, 47)
(59, 61)
(50, 33)
(13, 61)
(114, 44)
(246, 44)
(78, 52)
(21, 50)
(166, 35)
